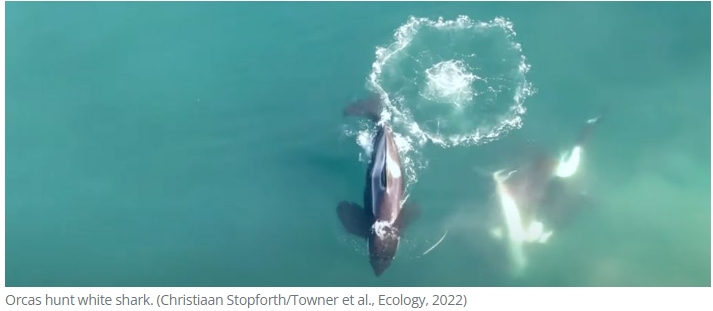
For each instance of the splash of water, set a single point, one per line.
(448, 82)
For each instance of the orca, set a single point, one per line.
(534, 192)
(385, 213)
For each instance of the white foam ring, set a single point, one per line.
(432, 63)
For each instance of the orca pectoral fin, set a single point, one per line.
(353, 218)
(410, 212)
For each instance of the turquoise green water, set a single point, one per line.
(203, 144)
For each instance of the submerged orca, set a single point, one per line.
(385, 215)
(526, 196)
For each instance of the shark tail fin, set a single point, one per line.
(370, 107)
(482, 171)
(589, 127)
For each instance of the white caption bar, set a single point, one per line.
(463, 298)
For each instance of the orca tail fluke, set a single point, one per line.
(370, 108)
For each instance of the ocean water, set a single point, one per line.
(203, 144)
